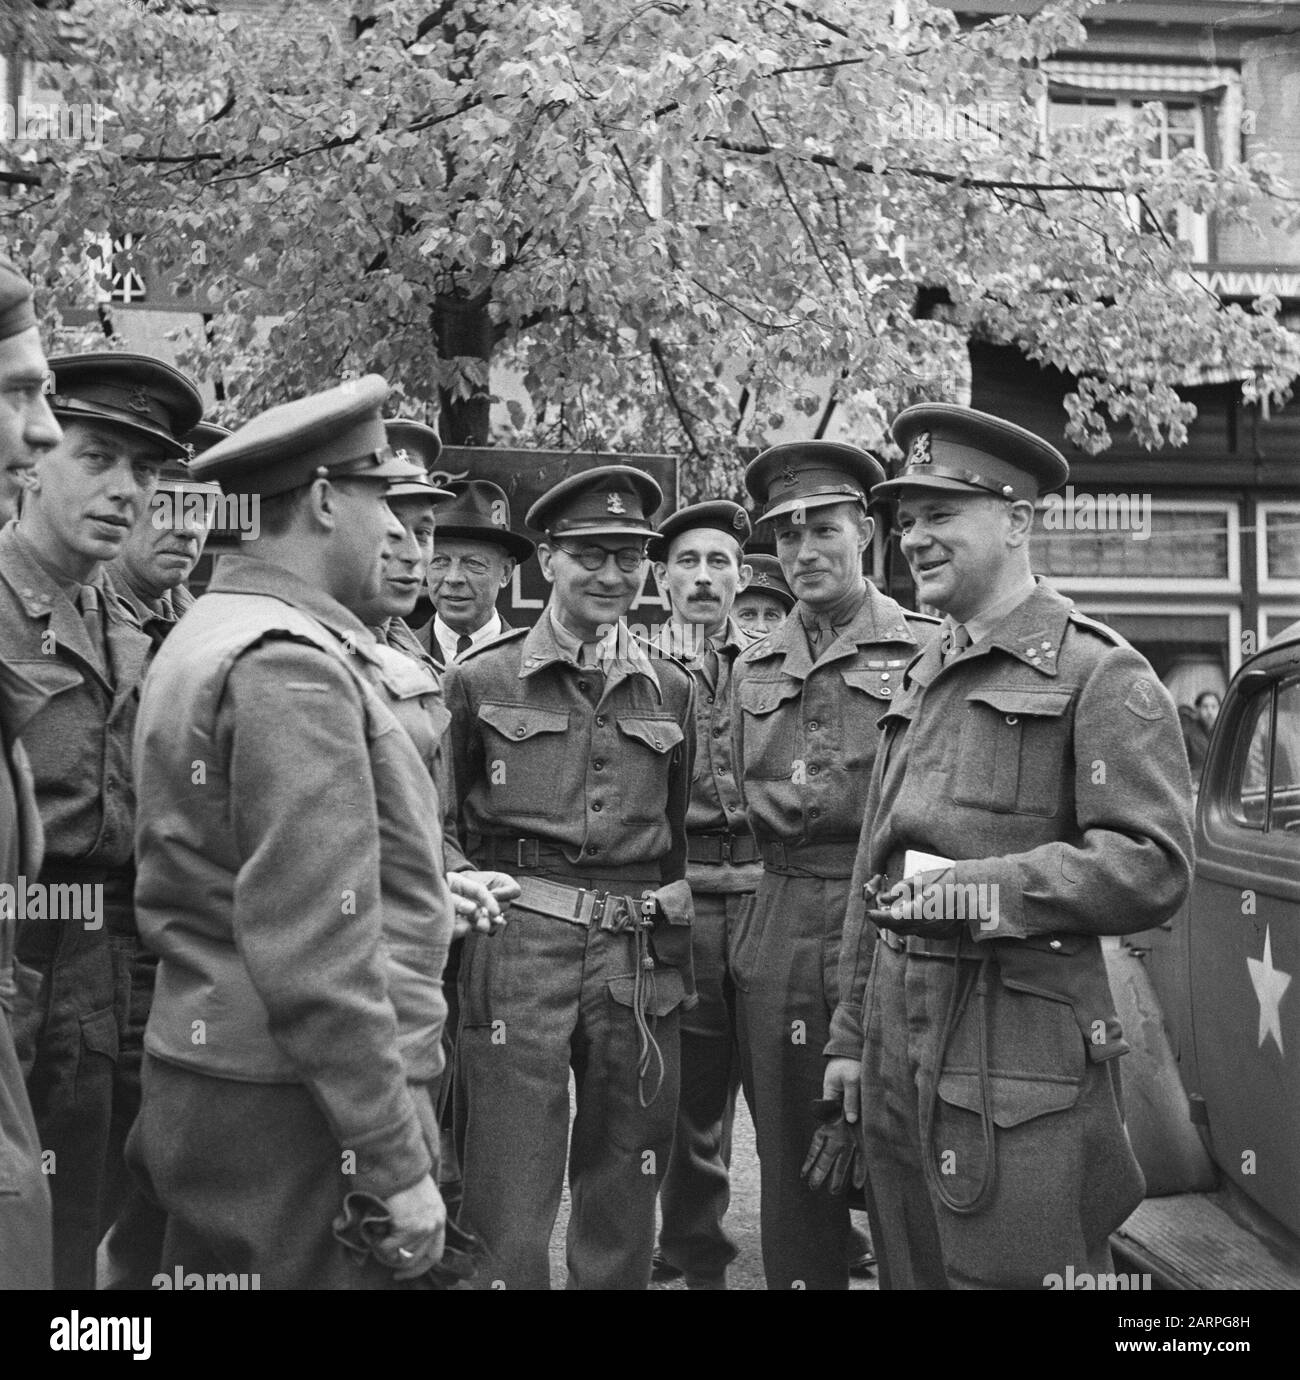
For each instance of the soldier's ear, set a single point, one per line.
(1020, 522)
(508, 571)
(746, 575)
(546, 559)
(322, 504)
(660, 569)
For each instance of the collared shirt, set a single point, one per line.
(448, 637)
(805, 727)
(838, 617)
(79, 742)
(156, 615)
(594, 762)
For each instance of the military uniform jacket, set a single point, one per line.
(716, 804)
(157, 620)
(594, 763)
(79, 741)
(1048, 761)
(289, 863)
(431, 736)
(805, 733)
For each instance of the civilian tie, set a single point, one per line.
(463, 644)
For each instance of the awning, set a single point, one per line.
(1140, 78)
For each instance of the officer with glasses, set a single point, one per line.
(573, 747)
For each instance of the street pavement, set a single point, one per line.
(742, 1219)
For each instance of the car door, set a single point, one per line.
(1244, 934)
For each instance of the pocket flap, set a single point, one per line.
(659, 735)
(1024, 700)
(519, 721)
(664, 987)
(53, 677)
(1015, 1100)
(763, 696)
(873, 683)
(99, 1032)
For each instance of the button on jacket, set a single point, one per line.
(586, 762)
(79, 743)
(806, 732)
(288, 862)
(1047, 761)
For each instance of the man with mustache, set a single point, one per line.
(808, 698)
(122, 417)
(150, 571)
(1030, 794)
(27, 430)
(699, 566)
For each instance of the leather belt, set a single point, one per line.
(918, 945)
(723, 848)
(838, 858)
(574, 904)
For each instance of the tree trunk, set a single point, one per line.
(463, 328)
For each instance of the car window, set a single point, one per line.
(1284, 791)
(1248, 799)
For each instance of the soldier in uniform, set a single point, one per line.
(290, 882)
(573, 758)
(761, 607)
(1031, 794)
(475, 554)
(808, 698)
(699, 565)
(27, 430)
(149, 572)
(64, 629)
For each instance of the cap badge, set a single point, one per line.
(189, 450)
(738, 521)
(614, 503)
(919, 451)
(138, 400)
(402, 456)
(788, 476)
(761, 578)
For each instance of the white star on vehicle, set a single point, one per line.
(1270, 986)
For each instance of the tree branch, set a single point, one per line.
(657, 351)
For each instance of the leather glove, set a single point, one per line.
(365, 1221)
(835, 1152)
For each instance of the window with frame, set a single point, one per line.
(1180, 125)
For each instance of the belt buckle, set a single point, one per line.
(520, 846)
(724, 849)
(598, 900)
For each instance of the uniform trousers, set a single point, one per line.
(251, 1178)
(696, 1189)
(25, 1251)
(1064, 1175)
(785, 958)
(536, 1000)
(87, 1032)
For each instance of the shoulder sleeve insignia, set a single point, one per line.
(1144, 701)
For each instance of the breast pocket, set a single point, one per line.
(1013, 750)
(646, 746)
(770, 735)
(527, 757)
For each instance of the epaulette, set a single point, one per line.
(756, 649)
(498, 641)
(1105, 632)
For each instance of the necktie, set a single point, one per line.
(463, 644)
(89, 606)
(820, 636)
(955, 642)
